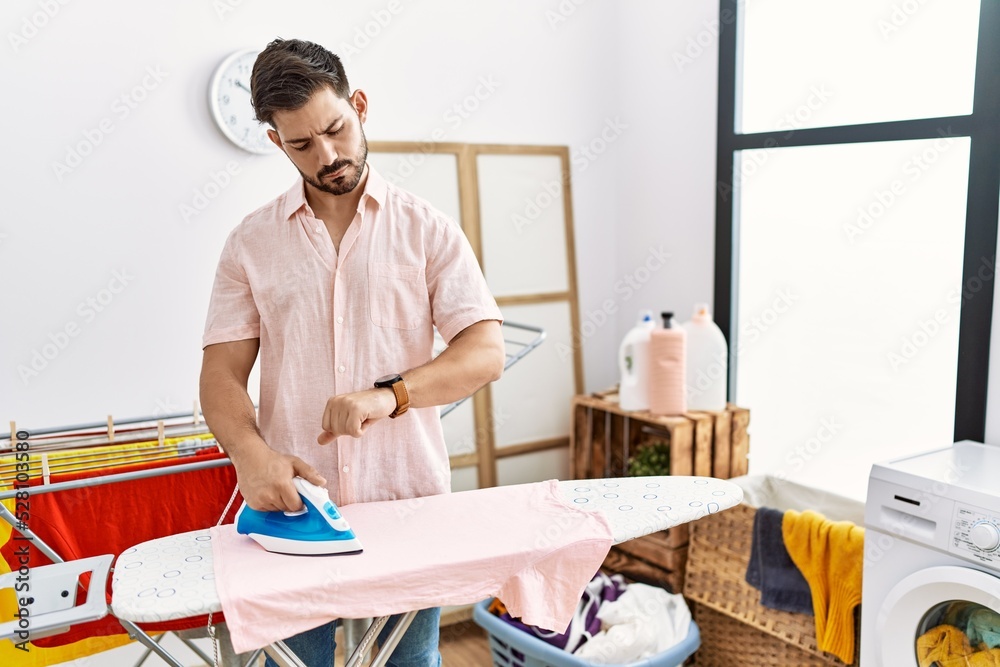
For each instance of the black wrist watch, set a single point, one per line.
(395, 382)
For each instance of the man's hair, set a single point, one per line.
(288, 72)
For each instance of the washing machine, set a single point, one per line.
(932, 557)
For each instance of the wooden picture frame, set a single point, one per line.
(485, 187)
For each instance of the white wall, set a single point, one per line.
(668, 83)
(606, 80)
(111, 229)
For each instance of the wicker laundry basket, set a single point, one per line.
(736, 629)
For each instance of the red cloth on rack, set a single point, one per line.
(110, 518)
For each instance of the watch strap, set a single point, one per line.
(402, 398)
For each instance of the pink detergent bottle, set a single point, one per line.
(666, 369)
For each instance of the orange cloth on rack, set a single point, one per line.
(110, 518)
(830, 556)
(947, 646)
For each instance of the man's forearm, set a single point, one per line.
(473, 359)
(229, 413)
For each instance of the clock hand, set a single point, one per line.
(240, 84)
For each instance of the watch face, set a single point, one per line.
(388, 379)
(229, 96)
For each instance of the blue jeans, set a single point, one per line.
(417, 648)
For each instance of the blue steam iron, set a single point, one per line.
(317, 529)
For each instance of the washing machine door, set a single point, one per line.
(937, 614)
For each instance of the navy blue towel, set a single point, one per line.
(771, 570)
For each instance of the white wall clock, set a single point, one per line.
(229, 97)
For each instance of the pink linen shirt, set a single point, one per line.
(330, 323)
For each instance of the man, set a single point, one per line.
(338, 284)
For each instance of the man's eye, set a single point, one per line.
(301, 148)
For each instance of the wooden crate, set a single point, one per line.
(651, 560)
(602, 439)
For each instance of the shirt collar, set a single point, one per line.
(375, 188)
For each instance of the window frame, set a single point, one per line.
(982, 204)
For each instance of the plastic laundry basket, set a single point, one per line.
(513, 647)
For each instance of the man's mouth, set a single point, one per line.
(333, 175)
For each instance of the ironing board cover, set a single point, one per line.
(531, 545)
(166, 579)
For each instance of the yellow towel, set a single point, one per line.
(830, 556)
(104, 456)
(947, 646)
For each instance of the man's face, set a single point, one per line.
(325, 140)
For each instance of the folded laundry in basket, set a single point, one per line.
(771, 570)
(830, 555)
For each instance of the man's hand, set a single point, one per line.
(264, 475)
(352, 414)
(265, 479)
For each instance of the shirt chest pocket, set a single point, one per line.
(397, 296)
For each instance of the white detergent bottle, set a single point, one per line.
(707, 361)
(633, 363)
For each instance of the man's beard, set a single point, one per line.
(347, 181)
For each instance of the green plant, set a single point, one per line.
(652, 458)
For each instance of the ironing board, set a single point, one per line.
(174, 577)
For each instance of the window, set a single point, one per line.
(859, 175)
(861, 61)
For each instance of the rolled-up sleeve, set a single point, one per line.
(232, 312)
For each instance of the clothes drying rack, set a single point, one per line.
(91, 447)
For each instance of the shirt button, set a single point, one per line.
(340, 320)
(318, 228)
(347, 469)
(342, 369)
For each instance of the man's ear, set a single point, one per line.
(273, 136)
(359, 101)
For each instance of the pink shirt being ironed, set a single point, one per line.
(523, 543)
(330, 323)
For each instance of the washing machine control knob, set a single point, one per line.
(985, 535)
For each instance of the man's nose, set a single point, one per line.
(327, 151)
